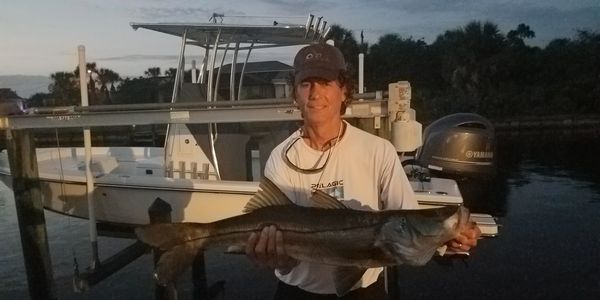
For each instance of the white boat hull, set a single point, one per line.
(123, 196)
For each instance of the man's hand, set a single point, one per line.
(267, 250)
(466, 239)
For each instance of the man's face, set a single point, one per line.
(320, 100)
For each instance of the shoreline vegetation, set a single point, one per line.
(154, 135)
(550, 122)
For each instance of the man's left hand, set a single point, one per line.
(466, 240)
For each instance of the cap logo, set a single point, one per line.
(313, 56)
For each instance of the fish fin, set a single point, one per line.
(321, 199)
(173, 262)
(268, 195)
(345, 278)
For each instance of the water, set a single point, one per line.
(547, 198)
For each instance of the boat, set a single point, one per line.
(202, 171)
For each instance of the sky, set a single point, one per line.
(39, 37)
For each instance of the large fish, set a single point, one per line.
(327, 233)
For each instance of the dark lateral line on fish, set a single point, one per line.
(269, 224)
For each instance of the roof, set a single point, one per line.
(258, 73)
(258, 67)
(8, 94)
(206, 33)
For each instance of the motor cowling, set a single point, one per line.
(461, 144)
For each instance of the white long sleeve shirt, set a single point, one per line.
(363, 171)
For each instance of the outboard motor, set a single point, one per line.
(459, 145)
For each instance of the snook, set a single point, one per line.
(327, 233)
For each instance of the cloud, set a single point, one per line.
(182, 14)
(421, 6)
(305, 6)
(547, 22)
(139, 57)
(472, 6)
(428, 18)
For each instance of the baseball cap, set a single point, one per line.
(318, 60)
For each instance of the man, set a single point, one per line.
(328, 154)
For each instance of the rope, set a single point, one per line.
(62, 195)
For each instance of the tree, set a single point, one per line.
(394, 58)
(107, 77)
(63, 89)
(515, 37)
(587, 76)
(39, 99)
(171, 73)
(92, 77)
(345, 41)
(569, 77)
(152, 72)
(471, 65)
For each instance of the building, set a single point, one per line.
(265, 79)
(10, 102)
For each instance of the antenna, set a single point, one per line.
(214, 17)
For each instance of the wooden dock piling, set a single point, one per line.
(160, 212)
(30, 214)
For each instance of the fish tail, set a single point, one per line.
(173, 263)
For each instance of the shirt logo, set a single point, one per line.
(334, 188)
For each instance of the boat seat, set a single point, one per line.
(100, 165)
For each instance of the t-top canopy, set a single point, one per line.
(204, 34)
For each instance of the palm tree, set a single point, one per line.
(470, 63)
(92, 71)
(516, 36)
(107, 77)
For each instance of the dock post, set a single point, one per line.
(199, 276)
(160, 212)
(201, 288)
(30, 214)
(391, 281)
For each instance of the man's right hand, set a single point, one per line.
(267, 250)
